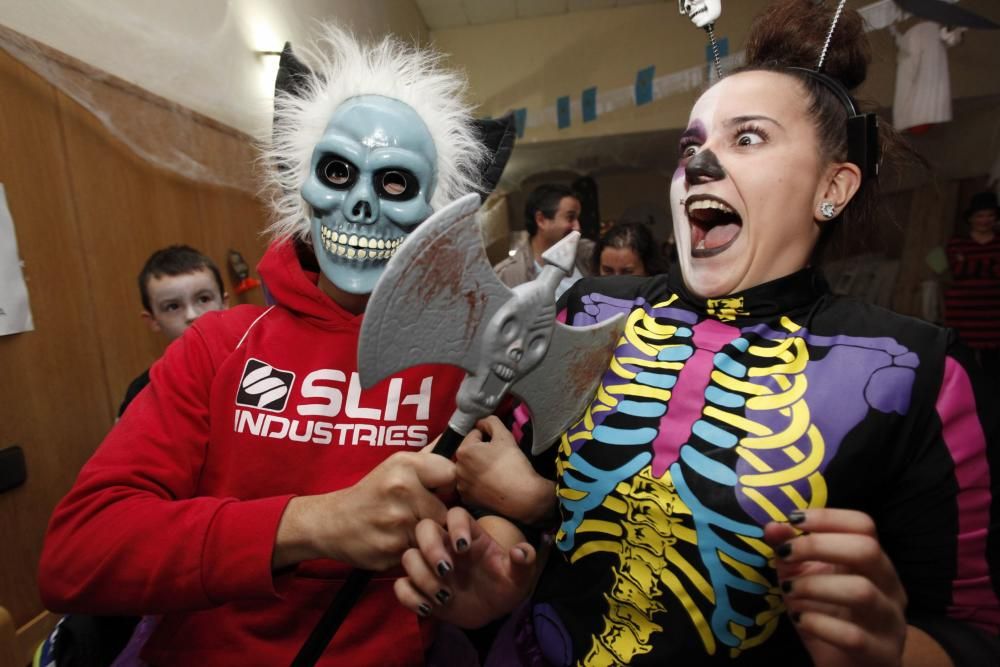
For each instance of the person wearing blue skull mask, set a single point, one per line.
(363, 156)
(254, 473)
(370, 184)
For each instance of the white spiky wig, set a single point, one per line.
(343, 68)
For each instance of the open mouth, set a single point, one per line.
(357, 246)
(714, 225)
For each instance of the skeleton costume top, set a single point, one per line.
(719, 415)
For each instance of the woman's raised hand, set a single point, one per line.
(492, 472)
(465, 574)
(840, 588)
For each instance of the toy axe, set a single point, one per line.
(439, 302)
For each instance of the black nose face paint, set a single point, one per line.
(704, 167)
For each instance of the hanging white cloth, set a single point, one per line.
(923, 87)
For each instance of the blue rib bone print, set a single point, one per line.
(710, 545)
(596, 491)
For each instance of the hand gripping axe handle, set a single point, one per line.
(439, 302)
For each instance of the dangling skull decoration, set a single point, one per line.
(702, 13)
(371, 179)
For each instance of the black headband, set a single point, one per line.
(862, 128)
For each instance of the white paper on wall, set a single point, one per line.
(15, 311)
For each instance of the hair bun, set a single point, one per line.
(791, 33)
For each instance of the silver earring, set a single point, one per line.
(827, 209)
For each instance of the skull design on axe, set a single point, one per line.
(439, 301)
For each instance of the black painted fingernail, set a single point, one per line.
(461, 544)
(786, 586)
(443, 567)
(796, 516)
(784, 550)
(796, 617)
(442, 596)
(424, 609)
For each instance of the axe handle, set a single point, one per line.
(332, 618)
(448, 443)
(354, 586)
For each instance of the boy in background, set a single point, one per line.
(177, 285)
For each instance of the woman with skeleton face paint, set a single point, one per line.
(768, 474)
(254, 473)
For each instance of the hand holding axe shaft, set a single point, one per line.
(439, 302)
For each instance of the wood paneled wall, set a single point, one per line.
(87, 213)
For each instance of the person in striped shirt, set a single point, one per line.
(972, 300)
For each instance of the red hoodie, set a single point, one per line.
(177, 511)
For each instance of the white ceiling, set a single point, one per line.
(439, 14)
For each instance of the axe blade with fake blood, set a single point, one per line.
(440, 302)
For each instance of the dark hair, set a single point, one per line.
(792, 33)
(982, 201)
(175, 260)
(544, 198)
(635, 236)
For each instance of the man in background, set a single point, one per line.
(551, 212)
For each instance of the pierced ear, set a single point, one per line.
(842, 183)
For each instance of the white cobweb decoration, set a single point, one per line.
(165, 133)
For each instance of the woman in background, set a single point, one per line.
(627, 249)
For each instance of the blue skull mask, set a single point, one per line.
(370, 184)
